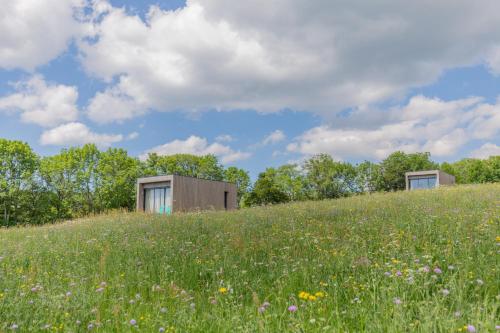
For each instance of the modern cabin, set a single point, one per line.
(427, 179)
(172, 193)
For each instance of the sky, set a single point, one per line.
(257, 83)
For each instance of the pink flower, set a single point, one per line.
(471, 328)
(292, 308)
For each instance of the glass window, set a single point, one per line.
(422, 182)
(157, 200)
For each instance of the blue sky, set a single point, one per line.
(249, 84)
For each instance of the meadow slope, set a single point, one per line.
(396, 262)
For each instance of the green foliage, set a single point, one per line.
(205, 167)
(266, 190)
(83, 180)
(371, 258)
(18, 193)
(239, 177)
(367, 177)
(328, 179)
(469, 170)
(394, 167)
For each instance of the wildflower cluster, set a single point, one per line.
(311, 296)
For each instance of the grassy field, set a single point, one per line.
(399, 262)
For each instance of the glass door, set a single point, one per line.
(158, 200)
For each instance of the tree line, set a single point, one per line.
(84, 180)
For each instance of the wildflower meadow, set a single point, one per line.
(423, 261)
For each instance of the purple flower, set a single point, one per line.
(398, 273)
(471, 328)
(397, 301)
(99, 290)
(292, 308)
(161, 330)
(497, 327)
(261, 309)
(438, 270)
(425, 269)
(387, 273)
(266, 305)
(133, 322)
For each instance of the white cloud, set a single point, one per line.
(198, 146)
(486, 150)
(274, 137)
(320, 56)
(33, 32)
(224, 138)
(77, 134)
(424, 124)
(42, 103)
(133, 136)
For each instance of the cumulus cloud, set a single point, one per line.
(33, 32)
(196, 145)
(424, 124)
(486, 150)
(274, 137)
(321, 56)
(42, 103)
(77, 134)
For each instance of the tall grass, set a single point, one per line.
(399, 262)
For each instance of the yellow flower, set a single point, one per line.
(498, 238)
(304, 295)
(312, 298)
(223, 290)
(320, 294)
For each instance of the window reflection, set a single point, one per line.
(422, 182)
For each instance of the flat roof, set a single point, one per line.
(164, 178)
(421, 173)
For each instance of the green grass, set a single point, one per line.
(167, 272)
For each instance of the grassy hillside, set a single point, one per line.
(422, 261)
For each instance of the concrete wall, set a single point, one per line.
(191, 194)
(146, 182)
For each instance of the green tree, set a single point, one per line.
(367, 176)
(471, 170)
(266, 190)
(394, 167)
(18, 165)
(118, 175)
(239, 177)
(327, 178)
(291, 180)
(205, 167)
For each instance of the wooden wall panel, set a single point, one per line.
(192, 194)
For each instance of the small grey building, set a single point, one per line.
(172, 193)
(427, 179)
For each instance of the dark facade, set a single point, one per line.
(169, 194)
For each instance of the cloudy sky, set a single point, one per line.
(257, 83)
